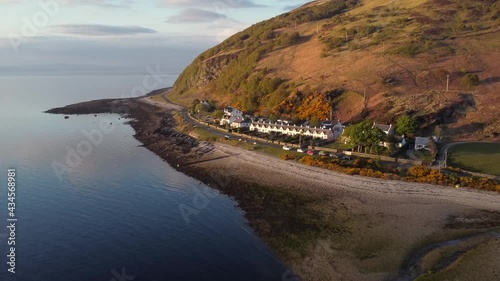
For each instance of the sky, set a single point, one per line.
(89, 37)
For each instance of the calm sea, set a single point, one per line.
(112, 212)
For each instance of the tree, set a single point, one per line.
(218, 114)
(315, 122)
(406, 125)
(194, 103)
(200, 108)
(433, 148)
(273, 118)
(470, 80)
(364, 135)
(440, 131)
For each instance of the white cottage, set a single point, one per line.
(231, 114)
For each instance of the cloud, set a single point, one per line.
(196, 16)
(9, 2)
(216, 4)
(99, 30)
(97, 3)
(101, 3)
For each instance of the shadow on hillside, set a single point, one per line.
(472, 127)
(304, 39)
(490, 80)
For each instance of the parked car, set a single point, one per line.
(227, 137)
(301, 150)
(310, 152)
(333, 155)
(345, 157)
(287, 147)
(322, 153)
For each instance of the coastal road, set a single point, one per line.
(215, 131)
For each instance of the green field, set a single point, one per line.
(481, 157)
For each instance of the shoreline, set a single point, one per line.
(325, 225)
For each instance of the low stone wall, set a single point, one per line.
(488, 176)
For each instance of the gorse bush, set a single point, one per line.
(419, 174)
(288, 157)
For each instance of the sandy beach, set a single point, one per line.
(373, 226)
(397, 215)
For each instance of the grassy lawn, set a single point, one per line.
(424, 155)
(482, 158)
(339, 145)
(205, 135)
(277, 152)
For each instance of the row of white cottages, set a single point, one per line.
(236, 119)
(268, 128)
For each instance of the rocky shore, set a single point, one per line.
(324, 225)
(153, 127)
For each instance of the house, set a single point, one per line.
(327, 124)
(387, 129)
(422, 143)
(338, 129)
(241, 123)
(290, 130)
(231, 114)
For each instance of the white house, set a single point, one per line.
(422, 143)
(268, 128)
(241, 123)
(231, 114)
(338, 129)
(387, 129)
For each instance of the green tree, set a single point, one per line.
(200, 108)
(218, 114)
(364, 136)
(194, 103)
(315, 122)
(295, 120)
(406, 125)
(273, 118)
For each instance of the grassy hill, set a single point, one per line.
(371, 59)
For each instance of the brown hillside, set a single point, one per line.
(397, 53)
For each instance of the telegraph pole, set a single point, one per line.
(447, 83)
(365, 101)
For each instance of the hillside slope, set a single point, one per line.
(371, 59)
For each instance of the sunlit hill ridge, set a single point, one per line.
(372, 59)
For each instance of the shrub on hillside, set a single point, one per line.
(470, 80)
